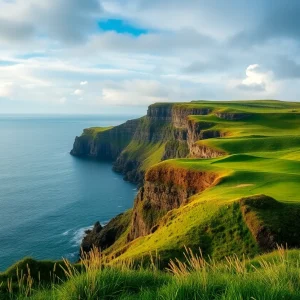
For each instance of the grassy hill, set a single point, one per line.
(232, 188)
(261, 161)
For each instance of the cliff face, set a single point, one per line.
(165, 126)
(104, 237)
(130, 146)
(163, 190)
(180, 115)
(106, 145)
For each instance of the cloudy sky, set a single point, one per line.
(115, 56)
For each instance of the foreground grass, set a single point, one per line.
(272, 276)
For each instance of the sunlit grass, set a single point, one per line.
(272, 276)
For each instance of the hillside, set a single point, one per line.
(223, 176)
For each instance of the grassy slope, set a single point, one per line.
(197, 279)
(263, 158)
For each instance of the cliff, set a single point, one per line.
(202, 182)
(104, 237)
(165, 189)
(164, 133)
(104, 143)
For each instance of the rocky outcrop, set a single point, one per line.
(176, 149)
(106, 145)
(198, 150)
(161, 112)
(180, 114)
(129, 168)
(165, 189)
(201, 131)
(104, 237)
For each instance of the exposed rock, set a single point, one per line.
(180, 114)
(164, 190)
(162, 112)
(200, 131)
(232, 116)
(176, 149)
(106, 145)
(202, 151)
(103, 237)
(165, 125)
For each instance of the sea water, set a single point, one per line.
(48, 198)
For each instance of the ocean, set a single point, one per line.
(48, 198)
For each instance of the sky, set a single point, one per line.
(119, 56)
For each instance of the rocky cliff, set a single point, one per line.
(165, 132)
(106, 144)
(165, 189)
(104, 236)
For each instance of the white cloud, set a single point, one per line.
(53, 53)
(78, 92)
(256, 79)
(6, 89)
(63, 100)
(134, 92)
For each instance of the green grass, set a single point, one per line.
(93, 131)
(273, 276)
(263, 151)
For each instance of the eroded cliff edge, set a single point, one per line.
(164, 189)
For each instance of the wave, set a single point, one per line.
(66, 232)
(78, 236)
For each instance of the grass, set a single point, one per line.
(263, 151)
(93, 131)
(193, 278)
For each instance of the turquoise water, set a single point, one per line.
(47, 197)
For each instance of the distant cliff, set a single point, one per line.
(165, 132)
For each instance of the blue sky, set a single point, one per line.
(118, 56)
(121, 27)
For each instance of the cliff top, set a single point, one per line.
(93, 131)
(254, 106)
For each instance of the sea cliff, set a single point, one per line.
(201, 181)
(164, 133)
